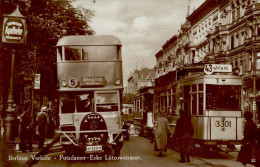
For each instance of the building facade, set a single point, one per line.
(139, 79)
(217, 32)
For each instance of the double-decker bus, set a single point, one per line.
(90, 86)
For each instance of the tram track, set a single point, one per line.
(229, 157)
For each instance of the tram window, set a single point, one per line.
(84, 103)
(223, 97)
(194, 104)
(72, 53)
(194, 88)
(107, 53)
(200, 103)
(200, 87)
(90, 52)
(107, 102)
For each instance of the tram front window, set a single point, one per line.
(107, 102)
(223, 97)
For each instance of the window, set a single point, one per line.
(90, 53)
(72, 53)
(107, 102)
(107, 53)
(238, 12)
(223, 97)
(84, 103)
(67, 103)
(59, 54)
(200, 100)
(258, 61)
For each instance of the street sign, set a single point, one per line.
(37, 79)
(254, 105)
(14, 28)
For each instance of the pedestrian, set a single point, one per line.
(161, 129)
(184, 132)
(26, 128)
(246, 152)
(41, 121)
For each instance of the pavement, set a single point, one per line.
(27, 159)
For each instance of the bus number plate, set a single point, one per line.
(94, 148)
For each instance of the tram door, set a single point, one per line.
(186, 100)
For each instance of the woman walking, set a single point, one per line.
(161, 128)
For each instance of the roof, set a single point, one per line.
(78, 40)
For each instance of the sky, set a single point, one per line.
(143, 26)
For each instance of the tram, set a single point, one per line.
(213, 100)
(215, 108)
(90, 86)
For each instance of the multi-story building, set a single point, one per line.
(139, 79)
(217, 32)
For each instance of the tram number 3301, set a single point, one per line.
(223, 123)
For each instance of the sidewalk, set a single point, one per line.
(29, 158)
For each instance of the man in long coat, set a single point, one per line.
(161, 128)
(184, 131)
(41, 123)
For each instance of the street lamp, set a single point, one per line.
(15, 32)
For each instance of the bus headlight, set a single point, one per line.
(64, 83)
(117, 82)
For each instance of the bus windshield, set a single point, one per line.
(84, 103)
(107, 102)
(91, 53)
(223, 97)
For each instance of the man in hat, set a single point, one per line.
(26, 128)
(161, 128)
(184, 132)
(41, 123)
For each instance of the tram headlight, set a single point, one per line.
(64, 83)
(117, 82)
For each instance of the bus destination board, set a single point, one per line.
(92, 81)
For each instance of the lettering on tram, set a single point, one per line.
(89, 73)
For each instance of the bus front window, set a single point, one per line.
(84, 103)
(67, 104)
(72, 53)
(107, 102)
(223, 97)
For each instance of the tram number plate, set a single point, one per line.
(222, 123)
(94, 148)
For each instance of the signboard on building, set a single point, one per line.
(211, 68)
(14, 28)
(37, 81)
